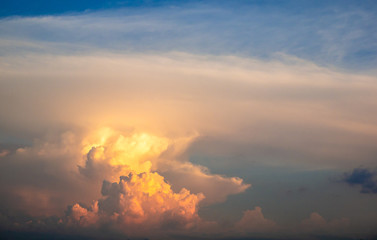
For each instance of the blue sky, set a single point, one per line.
(339, 33)
(264, 107)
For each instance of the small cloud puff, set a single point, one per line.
(4, 153)
(317, 224)
(253, 221)
(83, 216)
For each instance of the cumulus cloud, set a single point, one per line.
(141, 204)
(215, 187)
(82, 216)
(253, 221)
(112, 155)
(41, 178)
(318, 225)
(363, 177)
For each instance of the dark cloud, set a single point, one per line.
(366, 178)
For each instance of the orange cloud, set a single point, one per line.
(114, 154)
(140, 203)
(142, 200)
(121, 154)
(82, 216)
(3, 153)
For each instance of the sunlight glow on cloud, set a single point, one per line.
(135, 197)
(123, 154)
(140, 204)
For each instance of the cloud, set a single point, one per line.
(363, 177)
(268, 111)
(171, 114)
(318, 225)
(41, 178)
(82, 216)
(215, 187)
(113, 154)
(218, 29)
(4, 152)
(175, 92)
(268, 115)
(140, 205)
(253, 221)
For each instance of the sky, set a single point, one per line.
(188, 120)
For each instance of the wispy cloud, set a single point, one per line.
(333, 35)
